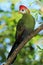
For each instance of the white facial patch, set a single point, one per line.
(22, 11)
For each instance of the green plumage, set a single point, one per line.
(24, 27)
(27, 22)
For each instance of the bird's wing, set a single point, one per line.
(20, 29)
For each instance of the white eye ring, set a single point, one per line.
(22, 11)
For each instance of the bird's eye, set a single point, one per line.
(22, 11)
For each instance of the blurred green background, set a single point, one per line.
(32, 53)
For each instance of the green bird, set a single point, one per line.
(24, 27)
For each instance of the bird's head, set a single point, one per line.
(23, 9)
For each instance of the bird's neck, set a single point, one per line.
(26, 14)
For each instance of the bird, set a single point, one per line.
(24, 28)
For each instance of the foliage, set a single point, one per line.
(8, 22)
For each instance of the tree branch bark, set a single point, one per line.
(29, 37)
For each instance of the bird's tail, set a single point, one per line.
(13, 48)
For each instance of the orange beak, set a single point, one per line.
(19, 12)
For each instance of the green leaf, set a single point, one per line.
(39, 47)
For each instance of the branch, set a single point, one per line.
(17, 50)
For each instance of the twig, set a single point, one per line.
(11, 58)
